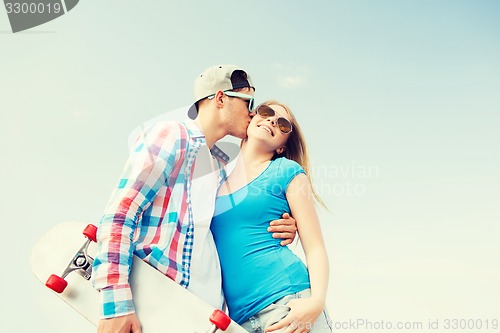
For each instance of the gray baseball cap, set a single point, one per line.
(220, 77)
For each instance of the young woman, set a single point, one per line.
(266, 286)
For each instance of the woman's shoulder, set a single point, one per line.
(285, 164)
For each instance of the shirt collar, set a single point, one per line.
(194, 131)
(196, 134)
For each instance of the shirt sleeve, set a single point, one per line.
(288, 171)
(149, 165)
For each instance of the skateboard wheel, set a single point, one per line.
(220, 319)
(56, 283)
(91, 232)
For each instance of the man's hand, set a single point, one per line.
(285, 228)
(124, 324)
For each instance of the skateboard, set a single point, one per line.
(62, 260)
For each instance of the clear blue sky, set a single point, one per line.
(399, 101)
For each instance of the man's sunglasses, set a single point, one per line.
(245, 97)
(284, 125)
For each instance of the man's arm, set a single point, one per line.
(285, 228)
(145, 173)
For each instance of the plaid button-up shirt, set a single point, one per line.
(149, 213)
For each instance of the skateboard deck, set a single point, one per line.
(161, 304)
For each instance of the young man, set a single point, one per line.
(162, 207)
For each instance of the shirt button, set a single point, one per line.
(190, 233)
(186, 266)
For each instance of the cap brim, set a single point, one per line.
(193, 111)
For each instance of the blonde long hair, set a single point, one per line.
(295, 147)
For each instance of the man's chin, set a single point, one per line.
(242, 135)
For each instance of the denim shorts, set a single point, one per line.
(278, 310)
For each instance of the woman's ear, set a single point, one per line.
(280, 150)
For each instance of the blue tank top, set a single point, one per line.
(256, 269)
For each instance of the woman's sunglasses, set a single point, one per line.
(284, 125)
